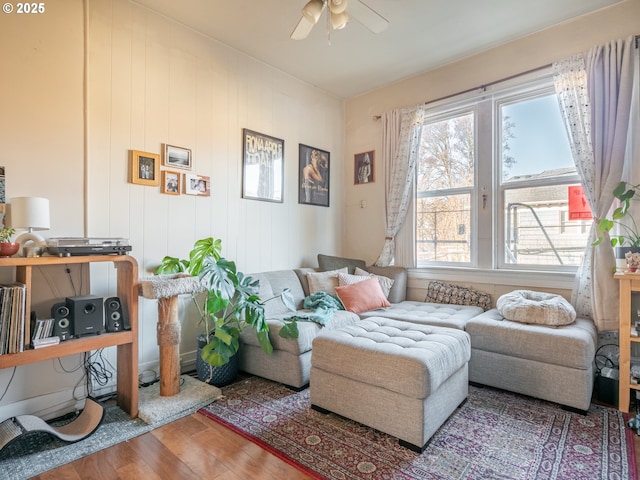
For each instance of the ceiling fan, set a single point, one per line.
(338, 17)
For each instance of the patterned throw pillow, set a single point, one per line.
(385, 282)
(440, 292)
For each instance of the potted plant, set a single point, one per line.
(627, 238)
(231, 303)
(628, 233)
(7, 247)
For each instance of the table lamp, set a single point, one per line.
(31, 214)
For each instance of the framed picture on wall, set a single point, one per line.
(177, 157)
(197, 185)
(170, 182)
(144, 168)
(262, 167)
(313, 176)
(364, 167)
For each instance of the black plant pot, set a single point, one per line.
(218, 376)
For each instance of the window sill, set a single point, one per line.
(524, 279)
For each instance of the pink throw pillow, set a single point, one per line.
(362, 296)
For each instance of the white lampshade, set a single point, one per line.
(30, 213)
(339, 20)
(312, 10)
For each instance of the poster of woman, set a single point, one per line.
(313, 176)
(364, 167)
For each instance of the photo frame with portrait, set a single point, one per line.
(313, 176)
(197, 185)
(364, 167)
(170, 182)
(176, 157)
(144, 168)
(262, 167)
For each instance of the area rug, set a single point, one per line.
(37, 453)
(494, 435)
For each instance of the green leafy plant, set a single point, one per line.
(6, 232)
(629, 235)
(231, 302)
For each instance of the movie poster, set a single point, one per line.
(313, 176)
(263, 167)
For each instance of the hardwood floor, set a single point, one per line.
(188, 448)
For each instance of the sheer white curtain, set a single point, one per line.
(402, 129)
(595, 93)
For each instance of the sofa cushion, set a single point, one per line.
(540, 308)
(452, 316)
(324, 281)
(301, 273)
(362, 296)
(273, 283)
(571, 346)
(307, 331)
(440, 292)
(328, 262)
(398, 291)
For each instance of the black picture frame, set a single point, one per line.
(262, 167)
(314, 166)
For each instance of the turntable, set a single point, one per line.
(71, 246)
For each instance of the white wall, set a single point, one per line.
(151, 81)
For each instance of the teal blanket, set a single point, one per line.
(320, 308)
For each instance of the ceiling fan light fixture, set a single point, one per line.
(312, 10)
(339, 20)
(337, 6)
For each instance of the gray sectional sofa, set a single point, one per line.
(550, 363)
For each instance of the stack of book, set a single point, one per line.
(12, 318)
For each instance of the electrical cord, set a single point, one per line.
(148, 383)
(8, 383)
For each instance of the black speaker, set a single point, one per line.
(62, 326)
(114, 315)
(87, 314)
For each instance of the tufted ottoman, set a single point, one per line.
(401, 378)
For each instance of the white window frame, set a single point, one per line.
(489, 235)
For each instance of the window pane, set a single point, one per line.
(443, 229)
(446, 154)
(534, 139)
(538, 229)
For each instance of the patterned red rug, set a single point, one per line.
(494, 435)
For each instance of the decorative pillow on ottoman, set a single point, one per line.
(527, 306)
(440, 292)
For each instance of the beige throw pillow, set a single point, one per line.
(324, 281)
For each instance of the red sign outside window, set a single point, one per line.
(578, 206)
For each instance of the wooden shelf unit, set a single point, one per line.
(125, 341)
(629, 282)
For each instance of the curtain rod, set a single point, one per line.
(484, 86)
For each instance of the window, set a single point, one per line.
(493, 183)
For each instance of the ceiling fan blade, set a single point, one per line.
(368, 16)
(302, 29)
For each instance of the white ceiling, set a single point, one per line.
(422, 34)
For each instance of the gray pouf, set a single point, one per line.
(400, 378)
